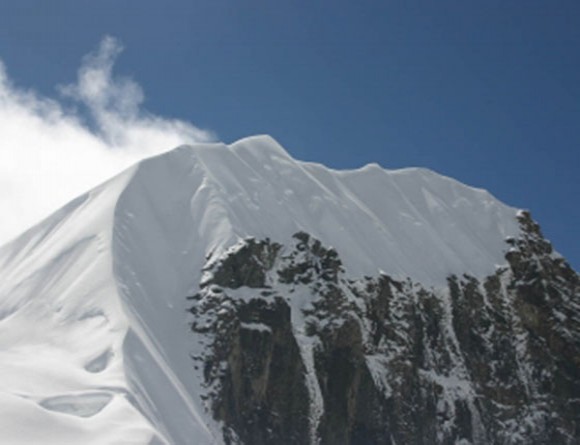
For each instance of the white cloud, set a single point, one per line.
(50, 152)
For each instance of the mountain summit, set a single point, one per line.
(231, 294)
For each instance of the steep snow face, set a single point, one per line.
(409, 223)
(94, 333)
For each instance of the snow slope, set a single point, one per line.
(62, 327)
(94, 336)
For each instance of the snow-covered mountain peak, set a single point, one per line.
(111, 273)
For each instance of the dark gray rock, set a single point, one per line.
(484, 361)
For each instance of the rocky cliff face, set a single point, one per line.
(298, 353)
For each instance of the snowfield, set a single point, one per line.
(95, 344)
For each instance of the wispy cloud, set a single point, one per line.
(53, 150)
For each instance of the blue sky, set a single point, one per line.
(485, 92)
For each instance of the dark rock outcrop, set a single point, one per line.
(299, 354)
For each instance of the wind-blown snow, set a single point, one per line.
(94, 335)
